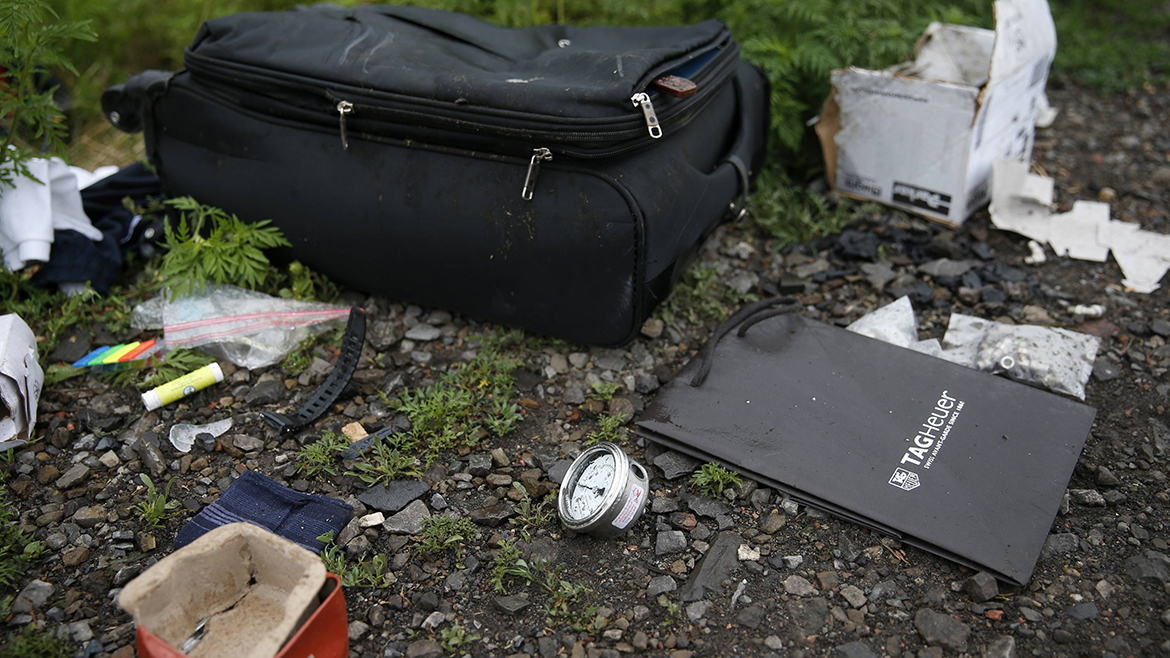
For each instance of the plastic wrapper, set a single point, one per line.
(894, 323)
(250, 329)
(1057, 359)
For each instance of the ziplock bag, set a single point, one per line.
(248, 328)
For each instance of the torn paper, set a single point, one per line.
(1144, 256)
(1021, 202)
(1047, 114)
(21, 379)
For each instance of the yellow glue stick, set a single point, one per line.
(195, 380)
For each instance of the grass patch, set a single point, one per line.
(18, 549)
(699, 297)
(469, 402)
(32, 643)
(792, 216)
(673, 610)
(502, 567)
(364, 574)
(454, 637)
(322, 455)
(442, 533)
(50, 312)
(298, 360)
(388, 459)
(461, 403)
(1113, 45)
(532, 514)
(155, 508)
(604, 391)
(711, 479)
(609, 428)
(59, 372)
(505, 339)
(565, 602)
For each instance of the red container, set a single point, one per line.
(324, 635)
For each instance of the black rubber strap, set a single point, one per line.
(327, 394)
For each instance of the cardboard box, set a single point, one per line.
(922, 136)
(238, 591)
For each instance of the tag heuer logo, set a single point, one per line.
(904, 479)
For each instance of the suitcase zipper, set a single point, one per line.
(642, 100)
(343, 108)
(539, 155)
(439, 113)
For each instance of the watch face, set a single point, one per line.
(588, 490)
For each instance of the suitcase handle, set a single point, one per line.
(730, 178)
(125, 103)
(740, 157)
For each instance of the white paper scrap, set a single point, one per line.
(1021, 202)
(21, 379)
(1144, 256)
(1076, 233)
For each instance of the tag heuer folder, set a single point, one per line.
(964, 464)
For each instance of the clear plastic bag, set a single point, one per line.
(1057, 359)
(894, 323)
(248, 328)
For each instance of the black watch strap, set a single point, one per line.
(327, 394)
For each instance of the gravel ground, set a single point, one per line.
(779, 579)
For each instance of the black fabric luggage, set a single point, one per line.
(535, 177)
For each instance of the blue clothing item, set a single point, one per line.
(258, 499)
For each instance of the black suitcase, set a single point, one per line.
(534, 177)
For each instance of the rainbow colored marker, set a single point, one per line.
(97, 358)
(116, 355)
(119, 354)
(89, 357)
(133, 354)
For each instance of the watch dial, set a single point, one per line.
(592, 484)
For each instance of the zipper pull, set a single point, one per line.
(538, 155)
(344, 108)
(642, 100)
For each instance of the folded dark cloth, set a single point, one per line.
(77, 259)
(257, 499)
